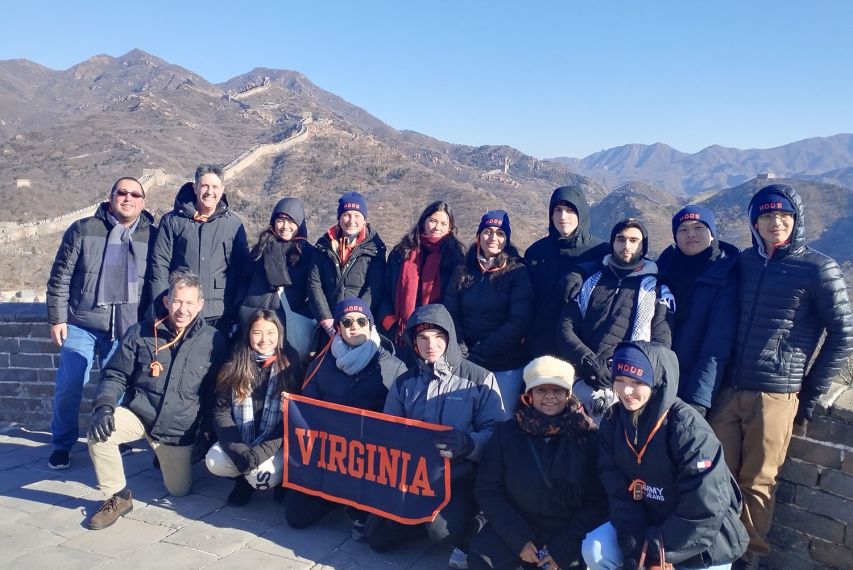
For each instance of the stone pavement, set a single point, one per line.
(42, 516)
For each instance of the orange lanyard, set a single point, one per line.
(155, 365)
(642, 452)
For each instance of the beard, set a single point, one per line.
(631, 262)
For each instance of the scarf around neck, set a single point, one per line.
(271, 415)
(686, 269)
(118, 281)
(352, 360)
(419, 282)
(572, 420)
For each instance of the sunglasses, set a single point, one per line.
(121, 193)
(349, 322)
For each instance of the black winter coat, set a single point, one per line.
(517, 500)
(216, 251)
(363, 276)
(73, 283)
(690, 497)
(609, 316)
(550, 260)
(703, 341)
(492, 314)
(170, 405)
(786, 303)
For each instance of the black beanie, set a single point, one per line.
(634, 223)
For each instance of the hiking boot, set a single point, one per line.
(241, 493)
(59, 459)
(749, 561)
(458, 560)
(359, 531)
(110, 511)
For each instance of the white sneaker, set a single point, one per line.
(458, 560)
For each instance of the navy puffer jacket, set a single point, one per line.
(787, 301)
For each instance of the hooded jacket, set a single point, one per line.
(690, 498)
(703, 341)
(73, 283)
(362, 276)
(787, 301)
(170, 405)
(216, 251)
(611, 312)
(452, 391)
(549, 261)
(259, 293)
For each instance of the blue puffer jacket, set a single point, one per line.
(787, 301)
(703, 342)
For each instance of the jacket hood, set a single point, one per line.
(294, 208)
(185, 202)
(573, 195)
(435, 314)
(798, 236)
(665, 389)
(146, 218)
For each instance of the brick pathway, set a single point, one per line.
(42, 516)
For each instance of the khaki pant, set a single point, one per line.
(755, 430)
(174, 460)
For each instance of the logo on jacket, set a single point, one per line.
(654, 493)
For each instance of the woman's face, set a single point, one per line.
(354, 328)
(263, 336)
(549, 399)
(437, 225)
(285, 228)
(492, 241)
(632, 393)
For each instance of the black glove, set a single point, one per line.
(454, 443)
(805, 411)
(703, 411)
(245, 461)
(594, 374)
(103, 424)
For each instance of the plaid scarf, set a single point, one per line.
(244, 412)
(118, 284)
(571, 421)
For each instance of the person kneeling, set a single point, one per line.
(163, 373)
(537, 483)
(247, 415)
(672, 498)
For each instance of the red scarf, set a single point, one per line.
(419, 280)
(344, 248)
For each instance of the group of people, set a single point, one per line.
(605, 409)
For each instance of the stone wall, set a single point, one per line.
(813, 525)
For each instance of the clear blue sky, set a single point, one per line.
(551, 78)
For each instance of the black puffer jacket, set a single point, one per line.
(170, 405)
(550, 260)
(786, 302)
(491, 312)
(517, 500)
(73, 283)
(690, 497)
(216, 251)
(609, 318)
(362, 276)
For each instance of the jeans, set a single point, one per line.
(75, 361)
(601, 550)
(510, 383)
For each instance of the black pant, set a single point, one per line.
(302, 510)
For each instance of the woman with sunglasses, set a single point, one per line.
(355, 369)
(247, 413)
(491, 302)
(419, 270)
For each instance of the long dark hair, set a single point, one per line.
(268, 236)
(239, 375)
(412, 240)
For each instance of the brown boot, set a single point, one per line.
(110, 511)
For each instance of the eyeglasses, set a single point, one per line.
(349, 322)
(121, 193)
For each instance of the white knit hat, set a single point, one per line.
(549, 370)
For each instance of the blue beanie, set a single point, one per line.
(352, 201)
(692, 212)
(495, 219)
(352, 305)
(630, 361)
(773, 201)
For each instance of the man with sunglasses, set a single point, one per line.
(95, 292)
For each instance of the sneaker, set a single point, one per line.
(458, 560)
(359, 531)
(241, 493)
(110, 511)
(59, 459)
(749, 561)
(125, 449)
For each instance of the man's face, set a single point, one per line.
(127, 201)
(628, 247)
(775, 227)
(351, 222)
(208, 192)
(693, 237)
(565, 219)
(184, 304)
(431, 344)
